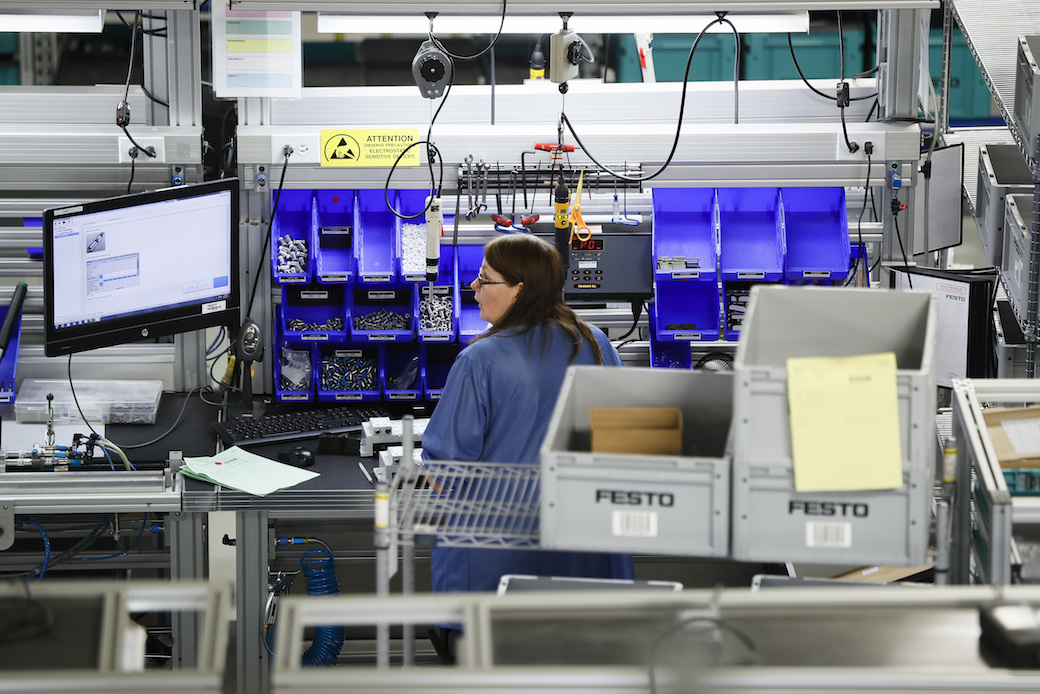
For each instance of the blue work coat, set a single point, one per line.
(496, 407)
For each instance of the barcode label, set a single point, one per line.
(833, 534)
(634, 523)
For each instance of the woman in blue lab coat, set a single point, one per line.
(499, 398)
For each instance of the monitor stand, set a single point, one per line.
(246, 405)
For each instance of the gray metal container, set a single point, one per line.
(770, 520)
(1027, 90)
(629, 503)
(1002, 171)
(1018, 234)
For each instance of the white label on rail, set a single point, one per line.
(751, 275)
(382, 296)
(834, 535)
(402, 396)
(318, 337)
(348, 396)
(686, 275)
(634, 523)
(335, 278)
(378, 337)
(375, 278)
(824, 274)
(300, 397)
(681, 337)
(319, 295)
(435, 337)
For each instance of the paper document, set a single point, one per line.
(1024, 434)
(844, 423)
(247, 472)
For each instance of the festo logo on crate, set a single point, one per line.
(634, 498)
(828, 508)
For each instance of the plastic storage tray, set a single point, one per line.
(402, 371)
(659, 504)
(1027, 89)
(1018, 232)
(334, 236)
(666, 355)
(443, 286)
(751, 235)
(467, 267)
(410, 202)
(686, 310)
(289, 360)
(435, 361)
(1023, 481)
(293, 226)
(348, 372)
(685, 234)
(9, 362)
(876, 527)
(314, 313)
(1002, 171)
(816, 232)
(110, 402)
(397, 304)
(376, 229)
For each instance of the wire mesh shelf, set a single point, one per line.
(468, 504)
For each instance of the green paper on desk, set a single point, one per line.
(247, 472)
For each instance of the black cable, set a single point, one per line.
(133, 166)
(899, 238)
(169, 431)
(798, 68)
(76, 400)
(432, 153)
(150, 151)
(678, 127)
(491, 45)
(152, 97)
(853, 147)
(859, 226)
(637, 311)
(267, 237)
(877, 102)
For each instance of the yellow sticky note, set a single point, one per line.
(844, 423)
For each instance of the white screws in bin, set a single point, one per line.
(292, 255)
(348, 373)
(383, 320)
(413, 249)
(435, 313)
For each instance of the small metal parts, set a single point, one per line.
(351, 373)
(435, 313)
(292, 255)
(383, 319)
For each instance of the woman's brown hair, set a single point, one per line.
(536, 263)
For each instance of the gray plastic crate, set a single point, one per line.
(1027, 91)
(773, 522)
(1018, 234)
(1002, 171)
(630, 503)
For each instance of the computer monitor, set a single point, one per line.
(141, 266)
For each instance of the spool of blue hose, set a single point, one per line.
(319, 571)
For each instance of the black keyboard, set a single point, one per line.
(291, 426)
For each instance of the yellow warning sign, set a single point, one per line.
(370, 147)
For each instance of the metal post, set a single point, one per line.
(1033, 308)
(251, 555)
(407, 550)
(187, 539)
(382, 543)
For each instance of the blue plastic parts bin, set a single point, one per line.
(402, 371)
(294, 219)
(375, 228)
(686, 310)
(283, 389)
(409, 203)
(436, 361)
(322, 307)
(348, 372)
(667, 355)
(816, 228)
(444, 285)
(751, 236)
(9, 362)
(684, 228)
(334, 236)
(400, 299)
(467, 268)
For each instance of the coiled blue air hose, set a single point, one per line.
(319, 571)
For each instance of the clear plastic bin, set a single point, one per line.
(109, 402)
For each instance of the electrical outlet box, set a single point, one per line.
(561, 69)
(306, 148)
(861, 136)
(124, 145)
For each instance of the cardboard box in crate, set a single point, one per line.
(772, 522)
(626, 502)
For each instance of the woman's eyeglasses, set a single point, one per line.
(481, 281)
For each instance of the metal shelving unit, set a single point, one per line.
(990, 31)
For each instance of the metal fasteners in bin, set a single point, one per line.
(383, 320)
(348, 373)
(292, 255)
(297, 325)
(435, 313)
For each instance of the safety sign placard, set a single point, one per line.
(370, 147)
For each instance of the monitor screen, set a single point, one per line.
(140, 266)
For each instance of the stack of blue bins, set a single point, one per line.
(752, 247)
(686, 297)
(333, 242)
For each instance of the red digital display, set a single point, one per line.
(592, 244)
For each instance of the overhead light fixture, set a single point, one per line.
(781, 22)
(66, 21)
